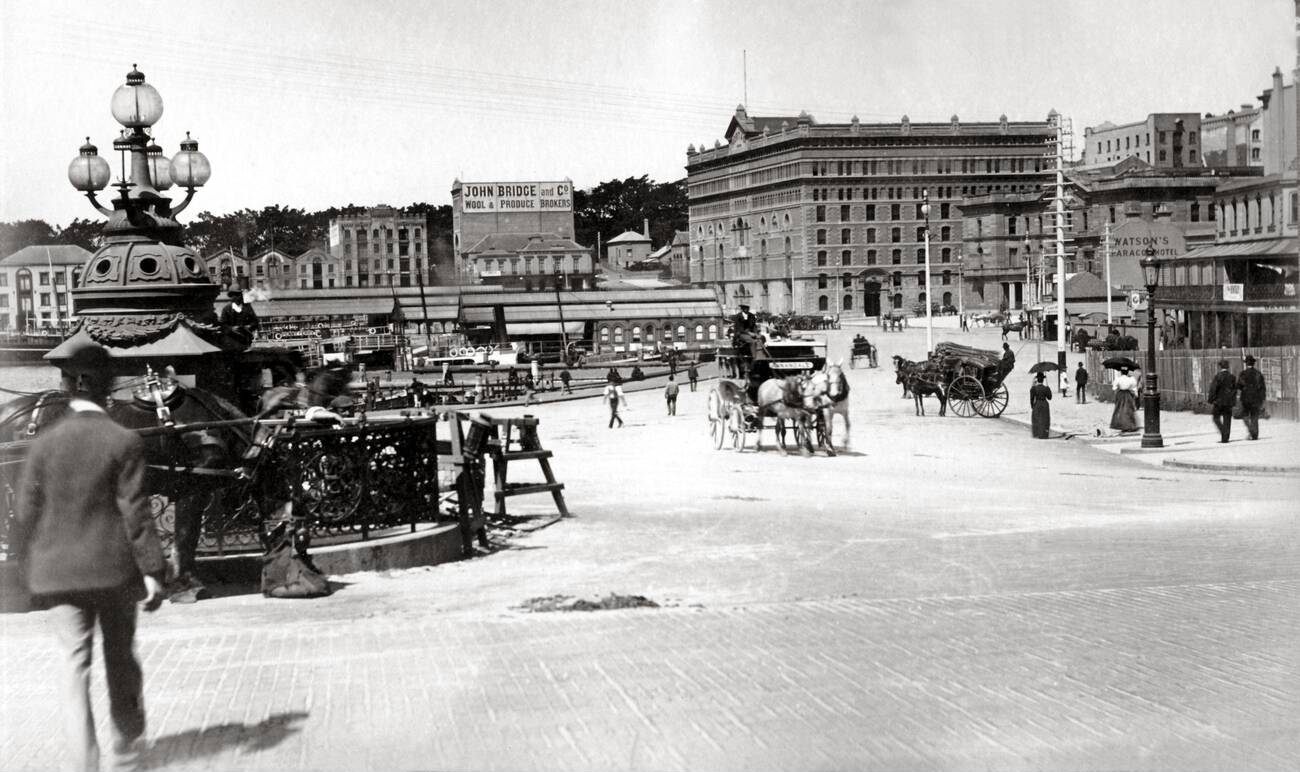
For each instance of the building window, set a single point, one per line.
(895, 212)
(618, 335)
(713, 332)
(44, 279)
(821, 257)
(821, 281)
(820, 212)
(823, 303)
(871, 235)
(920, 234)
(895, 235)
(871, 257)
(945, 255)
(1195, 212)
(846, 235)
(896, 257)
(821, 236)
(871, 212)
(604, 334)
(844, 213)
(920, 256)
(699, 332)
(1160, 137)
(846, 257)
(848, 303)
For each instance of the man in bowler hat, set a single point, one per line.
(1223, 395)
(1251, 384)
(88, 552)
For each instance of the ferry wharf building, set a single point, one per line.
(792, 215)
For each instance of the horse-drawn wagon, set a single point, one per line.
(973, 379)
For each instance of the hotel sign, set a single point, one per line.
(1134, 240)
(1234, 292)
(516, 197)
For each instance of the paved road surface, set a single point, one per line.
(950, 594)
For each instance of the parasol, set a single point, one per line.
(1045, 367)
(1119, 363)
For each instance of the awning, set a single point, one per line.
(1256, 248)
(542, 328)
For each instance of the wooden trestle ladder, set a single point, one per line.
(516, 440)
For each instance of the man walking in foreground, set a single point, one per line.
(1251, 383)
(670, 395)
(88, 552)
(1223, 394)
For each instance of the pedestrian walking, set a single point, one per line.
(1251, 384)
(1039, 398)
(1223, 395)
(693, 374)
(615, 398)
(88, 552)
(564, 381)
(1080, 385)
(530, 389)
(1124, 417)
(670, 395)
(965, 324)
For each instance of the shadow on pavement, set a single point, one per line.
(198, 743)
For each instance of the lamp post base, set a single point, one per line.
(1151, 437)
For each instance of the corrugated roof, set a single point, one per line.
(590, 296)
(48, 254)
(596, 312)
(524, 242)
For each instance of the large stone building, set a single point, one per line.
(529, 262)
(480, 209)
(382, 248)
(1009, 242)
(34, 284)
(794, 215)
(1163, 140)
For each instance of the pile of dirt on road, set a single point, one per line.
(569, 603)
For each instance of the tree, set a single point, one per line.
(615, 206)
(82, 233)
(24, 233)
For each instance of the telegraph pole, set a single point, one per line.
(1109, 291)
(1059, 123)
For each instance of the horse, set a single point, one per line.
(197, 446)
(724, 398)
(1016, 327)
(792, 399)
(903, 368)
(833, 394)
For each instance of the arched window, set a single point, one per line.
(920, 234)
(821, 257)
(821, 235)
(896, 257)
(895, 235)
(823, 303)
(896, 278)
(681, 332)
(846, 257)
(713, 332)
(618, 334)
(786, 219)
(604, 334)
(920, 256)
(699, 332)
(920, 298)
(848, 303)
(945, 255)
(947, 298)
(920, 278)
(636, 334)
(897, 300)
(762, 247)
(787, 245)
(945, 233)
(822, 281)
(947, 277)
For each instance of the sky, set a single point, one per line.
(318, 103)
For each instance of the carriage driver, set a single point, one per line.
(744, 331)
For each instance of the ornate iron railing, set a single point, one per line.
(347, 482)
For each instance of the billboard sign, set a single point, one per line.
(1136, 239)
(482, 197)
(1234, 292)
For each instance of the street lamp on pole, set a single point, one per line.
(929, 318)
(559, 310)
(1151, 394)
(961, 306)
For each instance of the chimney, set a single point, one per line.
(647, 227)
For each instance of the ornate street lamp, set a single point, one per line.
(143, 294)
(929, 319)
(1151, 395)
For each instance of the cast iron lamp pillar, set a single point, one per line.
(929, 319)
(1151, 395)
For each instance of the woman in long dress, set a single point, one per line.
(1039, 397)
(1124, 418)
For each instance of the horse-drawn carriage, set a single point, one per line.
(863, 350)
(789, 381)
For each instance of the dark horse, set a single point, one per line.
(1016, 327)
(921, 379)
(198, 446)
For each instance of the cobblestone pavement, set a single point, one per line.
(950, 594)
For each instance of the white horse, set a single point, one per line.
(833, 397)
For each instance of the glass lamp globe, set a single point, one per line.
(88, 172)
(136, 104)
(190, 168)
(160, 169)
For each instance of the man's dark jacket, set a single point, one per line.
(1223, 390)
(1251, 383)
(83, 515)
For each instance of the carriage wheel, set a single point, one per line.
(717, 431)
(964, 394)
(853, 363)
(993, 404)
